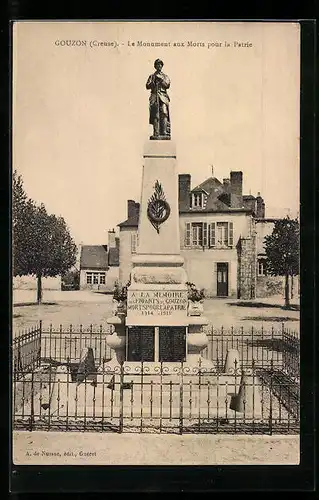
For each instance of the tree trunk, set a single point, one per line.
(287, 302)
(39, 288)
(292, 287)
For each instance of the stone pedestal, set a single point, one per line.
(157, 298)
(196, 340)
(117, 340)
(158, 292)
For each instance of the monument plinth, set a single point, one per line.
(158, 292)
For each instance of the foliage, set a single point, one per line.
(282, 251)
(273, 287)
(193, 293)
(71, 280)
(282, 248)
(120, 292)
(42, 244)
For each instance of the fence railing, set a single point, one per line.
(277, 347)
(160, 398)
(26, 349)
(64, 344)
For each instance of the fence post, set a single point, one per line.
(121, 397)
(32, 402)
(271, 394)
(40, 342)
(181, 384)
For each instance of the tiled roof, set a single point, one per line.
(130, 222)
(208, 185)
(217, 199)
(94, 257)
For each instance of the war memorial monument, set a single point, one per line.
(157, 377)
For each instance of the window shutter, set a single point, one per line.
(187, 234)
(230, 234)
(212, 239)
(226, 235)
(205, 235)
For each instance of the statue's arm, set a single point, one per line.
(166, 82)
(149, 83)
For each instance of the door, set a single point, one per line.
(222, 279)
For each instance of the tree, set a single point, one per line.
(42, 244)
(282, 251)
(22, 213)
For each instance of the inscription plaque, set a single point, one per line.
(157, 307)
(141, 344)
(172, 343)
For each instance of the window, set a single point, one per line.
(197, 200)
(222, 234)
(95, 278)
(197, 234)
(261, 267)
(134, 242)
(203, 234)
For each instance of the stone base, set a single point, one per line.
(150, 397)
(160, 138)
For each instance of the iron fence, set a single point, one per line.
(26, 349)
(164, 397)
(65, 344)
(261, 395)
(277, 347)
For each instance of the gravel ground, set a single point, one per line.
(84, 307)
(55, 448)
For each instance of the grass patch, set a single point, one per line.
(272, 344)
(24, 304)
(280, 319)
(292, 307)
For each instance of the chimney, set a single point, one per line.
(226, 184)
(111, 239)
(236, 189)
(130, 208)
(260, 212)
(184, 189)
(136, 208)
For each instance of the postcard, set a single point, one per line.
(155, 216)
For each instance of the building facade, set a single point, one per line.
(99, 265)
(218, 236)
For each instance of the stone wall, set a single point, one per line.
(246, 276)
(30, 283)
(268, 286)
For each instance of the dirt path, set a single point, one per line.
(142, 449)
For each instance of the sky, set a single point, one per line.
(80, 112)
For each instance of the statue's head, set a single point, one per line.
(158, 64)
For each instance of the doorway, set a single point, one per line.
(222, 279)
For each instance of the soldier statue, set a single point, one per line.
(158, 83)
